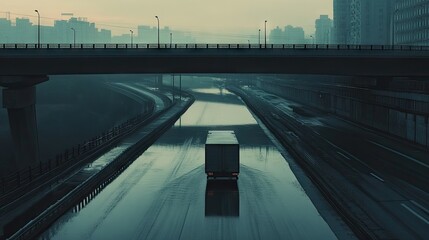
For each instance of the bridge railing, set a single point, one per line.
(213, 46)
(71, 156)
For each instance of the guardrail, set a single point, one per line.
(11, 184)
(214, 46)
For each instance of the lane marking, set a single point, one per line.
(317, 133)
(343, 155)
(351, 155)
(403, 155)
(414, 213)
(420, 206)
(379, 178)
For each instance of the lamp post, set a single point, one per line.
(38, 28)
(157, 18)
(312, 39)
(74, 37)
(265, 33)
(171, 40)
(259, 38)
(132, 35)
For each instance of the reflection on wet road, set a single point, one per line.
(164, 194)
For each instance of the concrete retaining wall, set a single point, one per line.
(403, 118)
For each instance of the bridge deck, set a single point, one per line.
(27, 59)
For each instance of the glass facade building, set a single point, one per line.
(411, 24)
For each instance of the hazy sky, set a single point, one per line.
(191, 15)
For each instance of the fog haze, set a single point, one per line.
(221, 16)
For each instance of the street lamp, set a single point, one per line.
(312, 39)
(259, 38)
(132, 34)
(38, 28)
(157, 18)
(171, 40)
(265, 33)
(74, 37)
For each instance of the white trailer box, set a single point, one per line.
(222, 154)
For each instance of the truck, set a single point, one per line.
(222, 155)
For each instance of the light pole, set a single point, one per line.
(171, 40)
(74, 37)
(259, 38)
(157, 18)
(132, 35)
(312, 39)
(265, 33)
(38, 28)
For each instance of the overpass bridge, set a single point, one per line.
(349, 60)
(22, 66)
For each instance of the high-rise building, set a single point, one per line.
(376, 22)
(25, 32)
(276, 36)
(342, 21)
(85, 32)
(147, 34)
(294, 35)
(362, 21)
(411, 24)
(5, 30)
(323, 29)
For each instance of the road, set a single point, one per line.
(385, 178)
(164, 194)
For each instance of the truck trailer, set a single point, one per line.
(222, 157)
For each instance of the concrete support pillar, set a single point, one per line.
(159, 82)
(19, 97)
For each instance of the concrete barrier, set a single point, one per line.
(390, 113)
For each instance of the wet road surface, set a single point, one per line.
(164, 194)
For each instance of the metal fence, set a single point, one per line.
(214, 46)
(72, 155)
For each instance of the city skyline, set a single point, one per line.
(207, 16)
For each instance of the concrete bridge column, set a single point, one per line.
(159, 80)
(19, 97)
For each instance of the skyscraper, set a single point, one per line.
(294, 35)
(411, 24)
(342, 21)
(362, 21)
(5, 30)
(376, 21)
(276, 36)
(323, 29)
